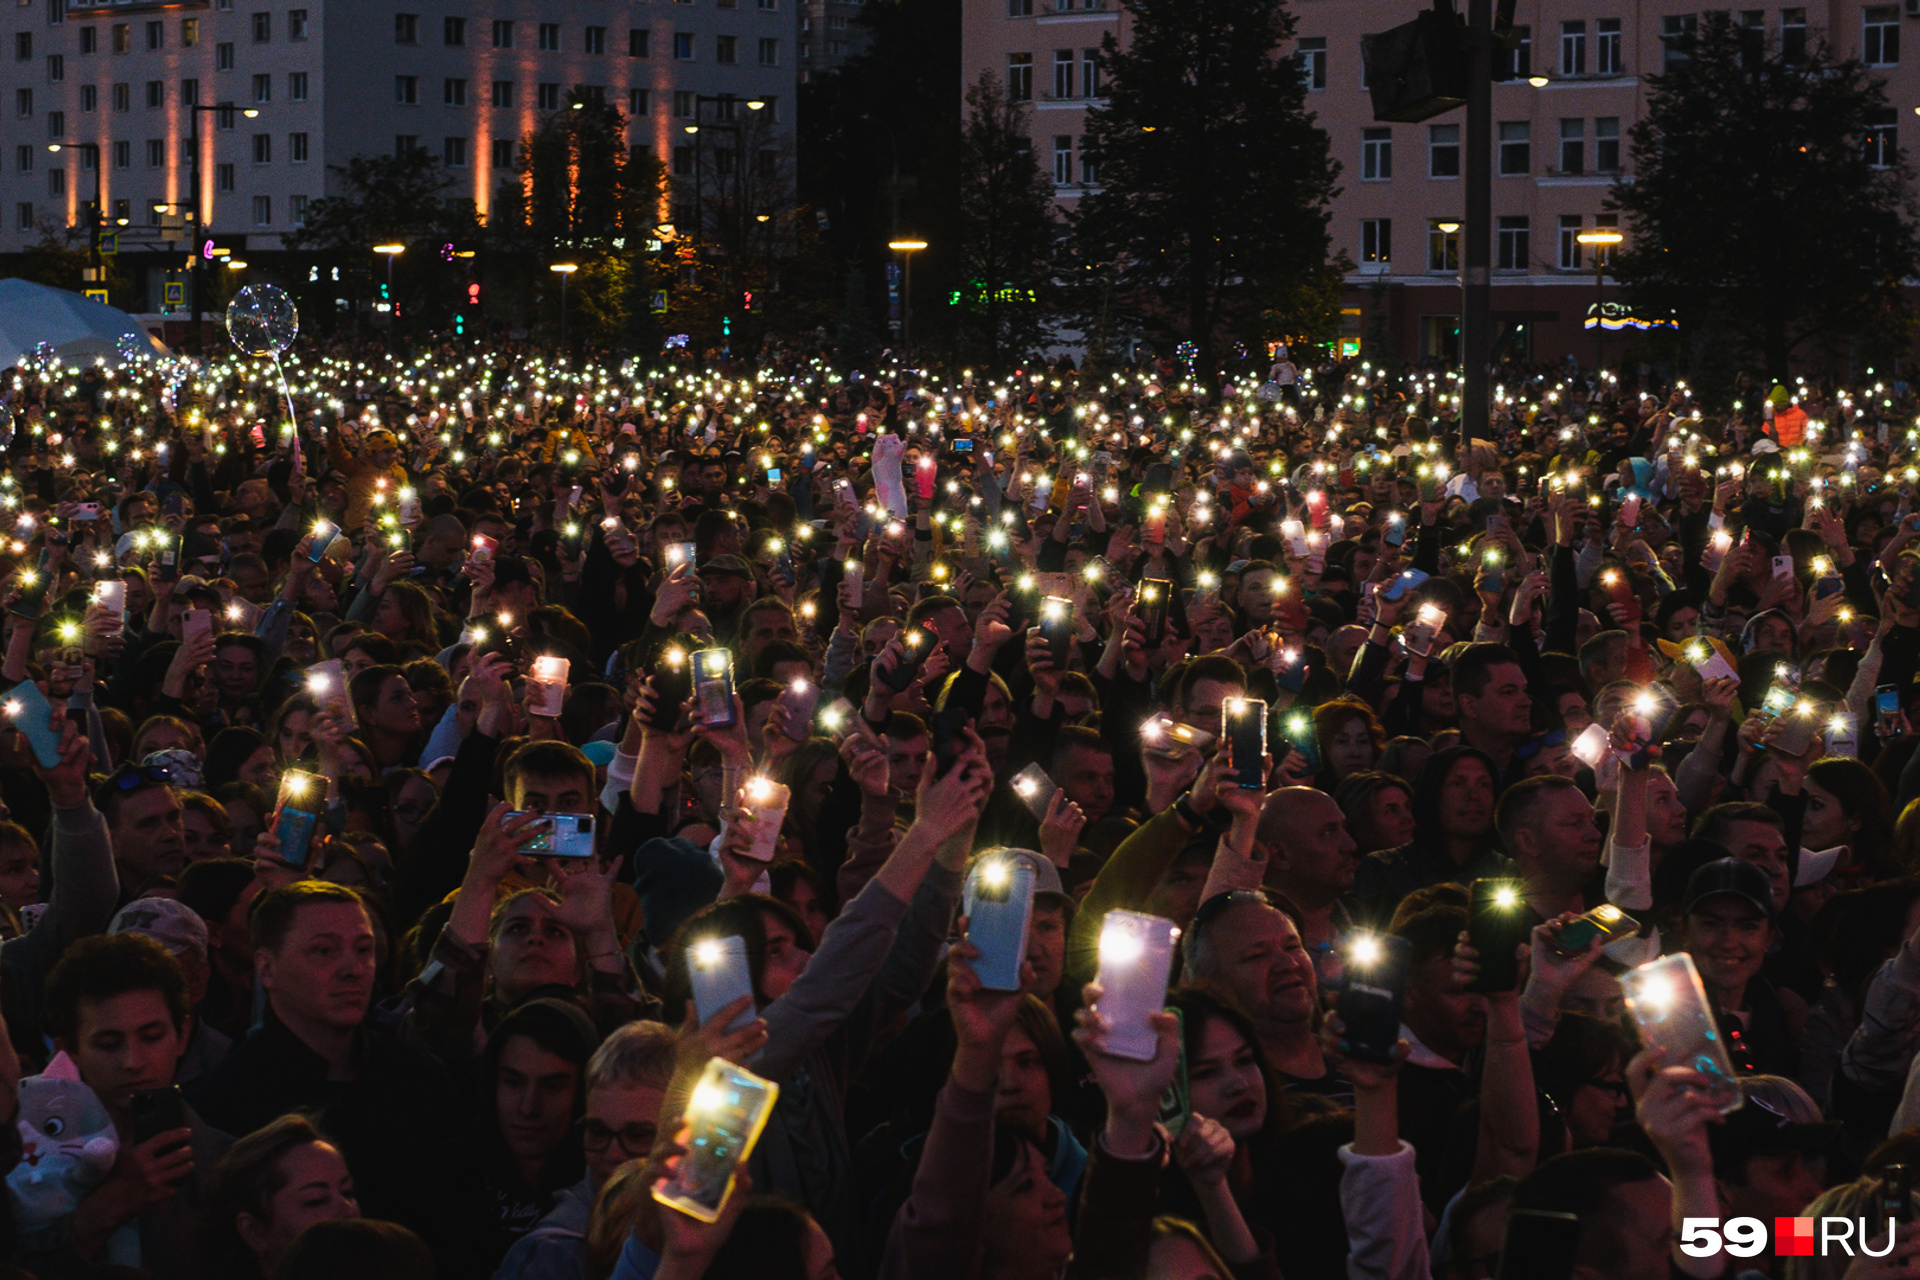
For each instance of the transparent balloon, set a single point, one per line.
(130, 347)
(262, 320)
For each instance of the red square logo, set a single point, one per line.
(1793, 1237)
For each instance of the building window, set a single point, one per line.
(90, 39)
(1516, 148)
(725, 50)
(1793, 35)
(1443, 151)
(639, 43)
(189, 35)
(1376, 240)
(406, 28)
(503, 95)
(56, 67)
(223, 116)
(23, 46)
(549, 96)
(639, 102)
(453, 152)
(769, 51)
(263, 148)
(223, 177)
(122, 38)
(57, 128)
(682, 162)
(156, 36)
(1880, 35)
(23, 213)
(1511, 244)
(156, 94)
(1606, 144)
(769, 5)
(503, 33)
(90, 97)
(683, 46)
(1063, 73)
(1063, 160)
(453, 32)
(296, 148)
(406, 90)
(1090, 72)
(56, 182)
(594, 93)
(1573, 146)
(189, 91)
(297, 210)
(223, 56)
(596, 40)
(1571, 257)
(1676, 40)
(23, 158)
(262, 28)
(1443, 247)
(263, 88)
(296, 86)
(296, 24)
(156, 153)
(23, 103)
(503, 153)
(1881, 139)
(454, 93)
(1606, 47)
(263, 211)
(1312, 55)
(1019, 77)
(1573, 48)
(549, 37)
(123, 155)
(123, 97)
(1376, 155)
(683, 104)
(1515, 63)
(405, 144)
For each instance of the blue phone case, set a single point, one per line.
(36, 720)
(719, 984)
(997, 919)
(318, 551)
(1407, 580)
(294, 835)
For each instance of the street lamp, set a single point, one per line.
(1599, 241)
(393, 300)
(909, 248)
(1448, 227)
(564, 270)
(194, 257)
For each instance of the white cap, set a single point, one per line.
(1815, 867)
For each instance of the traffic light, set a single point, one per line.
(459, 325)
(746, 300)
(473, 295)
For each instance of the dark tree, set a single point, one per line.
(1767, 197)
(1209, 221)
(1007, 230)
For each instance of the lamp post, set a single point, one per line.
(89, 151)
(194, 255)
(393, 301)
(693, 130)
(1448, 228)
(908, 248)
(564, 270)
(1599, 241)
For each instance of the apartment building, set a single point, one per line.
(830, 33)
(1573, 91)
(117, 86)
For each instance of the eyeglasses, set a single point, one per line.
(634, 1139)
(1618, 1088)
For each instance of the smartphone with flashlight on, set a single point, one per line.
(1604, 921)
(1886, 707)
(672, 686)
(916, 644)
(1668, 1002)
(1035, 789)
(1152, 608)
(999, 905)
(1297, 728)
(1056, 628)
(1373, 987)
(1245, 725)
(1136, 957)
(1496, 925)
(302, 798)
(324, 532)
(719, 974)
(713, 687)
(725, 1114)
(327, 682)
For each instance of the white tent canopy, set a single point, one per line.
(77, 327)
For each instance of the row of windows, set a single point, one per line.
(123, 208)
(155, 93)
(298, 151)
(1024, 8)
(120, 35)
(1515, 155)
(1513, 243)
(504, 95)
(1065, 61)
(1598, 48)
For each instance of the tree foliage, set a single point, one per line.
(1209, 222)
(1753, 200)
(401, 197)
(1007, 230)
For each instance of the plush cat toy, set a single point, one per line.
(67, 1146)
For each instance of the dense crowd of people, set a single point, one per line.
(426, 777)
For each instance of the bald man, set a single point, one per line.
(1311, 859)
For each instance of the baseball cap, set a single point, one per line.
(174, 925)
(728, 564)
(1046, 876)
(1730, 877)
